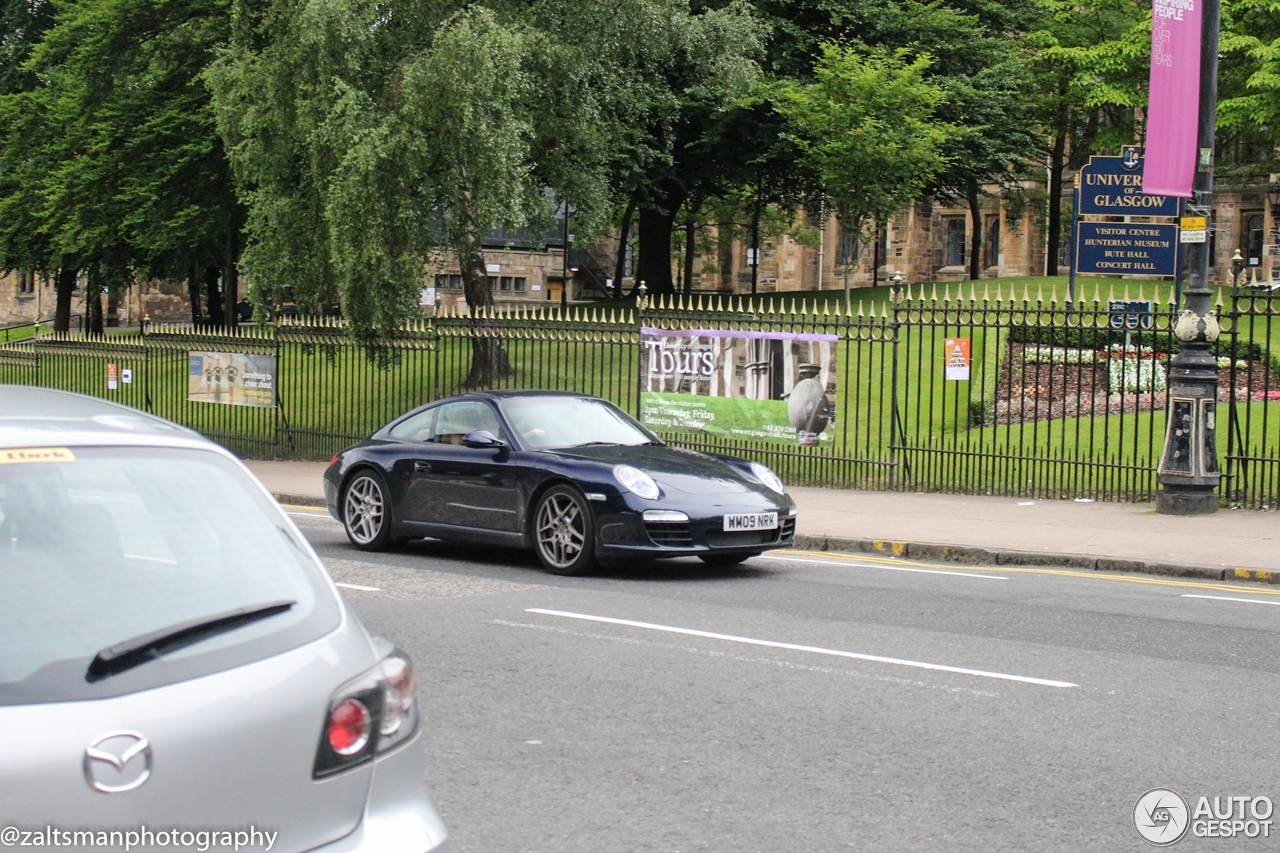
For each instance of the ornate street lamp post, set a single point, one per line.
(1189, 473)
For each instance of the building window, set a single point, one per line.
(955, 242)
(849, 247)
(1251, 237)
(993, 241)
(493, 282)
(455, 282)
(505, 282)
(519, 284)
(884, 245)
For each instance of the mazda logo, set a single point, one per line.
(117, 761)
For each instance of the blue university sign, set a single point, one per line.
(1112, 186)
(1120, 248)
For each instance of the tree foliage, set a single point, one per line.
(867, 127)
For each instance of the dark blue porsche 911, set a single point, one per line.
(571, 476)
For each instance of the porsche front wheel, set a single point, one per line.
(564, 531)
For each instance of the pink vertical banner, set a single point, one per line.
(1173, 110)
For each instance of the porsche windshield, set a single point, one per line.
(550, 423)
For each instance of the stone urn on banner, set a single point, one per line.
(807, 406)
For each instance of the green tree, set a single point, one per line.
(867, 126)
(1089, 63)
(369, 139)
(23, 155)
(683, 117)
(116, 165)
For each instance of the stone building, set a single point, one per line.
(927, 241)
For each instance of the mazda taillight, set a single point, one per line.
(370, 714)
(350, 734)
(399, 704)
(350, 725)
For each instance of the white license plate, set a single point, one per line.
(751, 521)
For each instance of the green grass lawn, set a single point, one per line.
(17, 333)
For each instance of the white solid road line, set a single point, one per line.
(853, 561)
(1224, 598)
(358, 586)
(1044, 682)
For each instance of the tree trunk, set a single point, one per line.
(656, 221)
(193, 292)
(211, 276)
(65, 285)
(975, 243)
(488, 357)
(688, 250)
(1057, 161)
(232, 277)
(93, 302)
(620, 266)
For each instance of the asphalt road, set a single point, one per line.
(820, 703)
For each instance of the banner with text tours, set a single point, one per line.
(772, 386)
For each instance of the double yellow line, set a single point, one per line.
(866, 558)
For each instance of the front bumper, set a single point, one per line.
(398, 815)
(626, 534)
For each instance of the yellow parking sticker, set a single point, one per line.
(15, 455)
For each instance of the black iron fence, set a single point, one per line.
(1043, 398)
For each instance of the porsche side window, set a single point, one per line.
(416, 428)
(457, 419)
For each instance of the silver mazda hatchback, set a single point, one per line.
(177, 669)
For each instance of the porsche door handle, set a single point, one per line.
(421, 466)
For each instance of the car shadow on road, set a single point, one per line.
(675, 570)
(683, 570)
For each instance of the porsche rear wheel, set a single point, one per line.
(366, 512)
(564, 532)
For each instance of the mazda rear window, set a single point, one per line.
(100, 546)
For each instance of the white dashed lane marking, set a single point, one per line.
(361, 579)
(937, 667)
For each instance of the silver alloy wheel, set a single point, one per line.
(561, 530)
(363, 509)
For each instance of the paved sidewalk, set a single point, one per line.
(974, 529)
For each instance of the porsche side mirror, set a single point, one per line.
(482, 438)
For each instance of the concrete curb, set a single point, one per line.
(970, 555)
(299, 500)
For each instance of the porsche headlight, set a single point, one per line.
(767, 477)
(636, 481)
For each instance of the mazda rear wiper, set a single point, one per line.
(154, 644)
